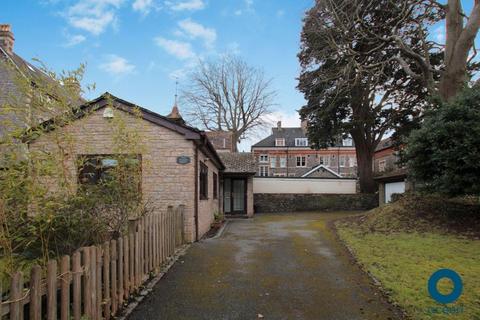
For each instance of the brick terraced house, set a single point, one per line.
(287, 153)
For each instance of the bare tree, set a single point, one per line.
(228, 95)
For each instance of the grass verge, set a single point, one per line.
(403, 259)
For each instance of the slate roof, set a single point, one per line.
(11, 67)
(107, 99)
(289, 134)
(384, 144)
(238, 162)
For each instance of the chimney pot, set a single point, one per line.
(6, 38)
(279, 124)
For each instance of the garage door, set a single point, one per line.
(393, 187)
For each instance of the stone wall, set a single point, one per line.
(164, 181)
(276, 203)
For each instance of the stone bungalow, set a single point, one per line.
(179, 165)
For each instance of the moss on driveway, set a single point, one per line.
(285, 266)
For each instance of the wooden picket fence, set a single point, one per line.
(96, 281)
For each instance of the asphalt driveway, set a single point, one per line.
(286, 266)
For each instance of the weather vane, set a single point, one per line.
(176, 90)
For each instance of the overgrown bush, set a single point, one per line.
(44, 210)
(444, 154)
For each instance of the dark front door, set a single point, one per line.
(234, 195)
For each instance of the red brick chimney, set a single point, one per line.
(6, 38)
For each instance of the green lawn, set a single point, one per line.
(404, 261)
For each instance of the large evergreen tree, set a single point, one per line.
(350, 83)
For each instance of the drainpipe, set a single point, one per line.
(287, 162)
(195, 207)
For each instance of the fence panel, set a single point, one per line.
(95, 281)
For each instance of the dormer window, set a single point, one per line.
(280, 142)
(347, 142)
(301, 142)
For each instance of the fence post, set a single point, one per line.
(77, 286)
(120, 271)
(113, 271)
(93, 279)
(35, 293)
(182, 222)
(15, 295)
(98, 288)
(169, 228)
(106, 280)
(126, 253)
(52, 290)
(131, 244)
(87, 302)
(65, 288)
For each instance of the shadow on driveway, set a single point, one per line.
(284, 266)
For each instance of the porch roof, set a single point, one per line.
(238, 162)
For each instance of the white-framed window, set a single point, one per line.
(325, 160)
(301, 142)
(263, 158)
(283, 162)
(280, 142)
(301, 161)
(382, 165)
(263, 171)
(273, 162)
(353, 161)
(343, 161)
(347, 142)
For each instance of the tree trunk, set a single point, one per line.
(365, 170)
(460, 40)
(452, 82)
(235, 137)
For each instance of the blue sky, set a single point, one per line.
(135, 48)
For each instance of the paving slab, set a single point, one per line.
(282, 266)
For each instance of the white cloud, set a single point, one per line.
(93, 16)
(196, 30)
(233, 48)
(73, 40)
(248, 8)
(181, 50)
(187, 5)
(289, 119)
(143, 6)
(117, 66)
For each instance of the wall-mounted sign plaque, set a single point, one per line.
(183, 160)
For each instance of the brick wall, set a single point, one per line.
(164, 182)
